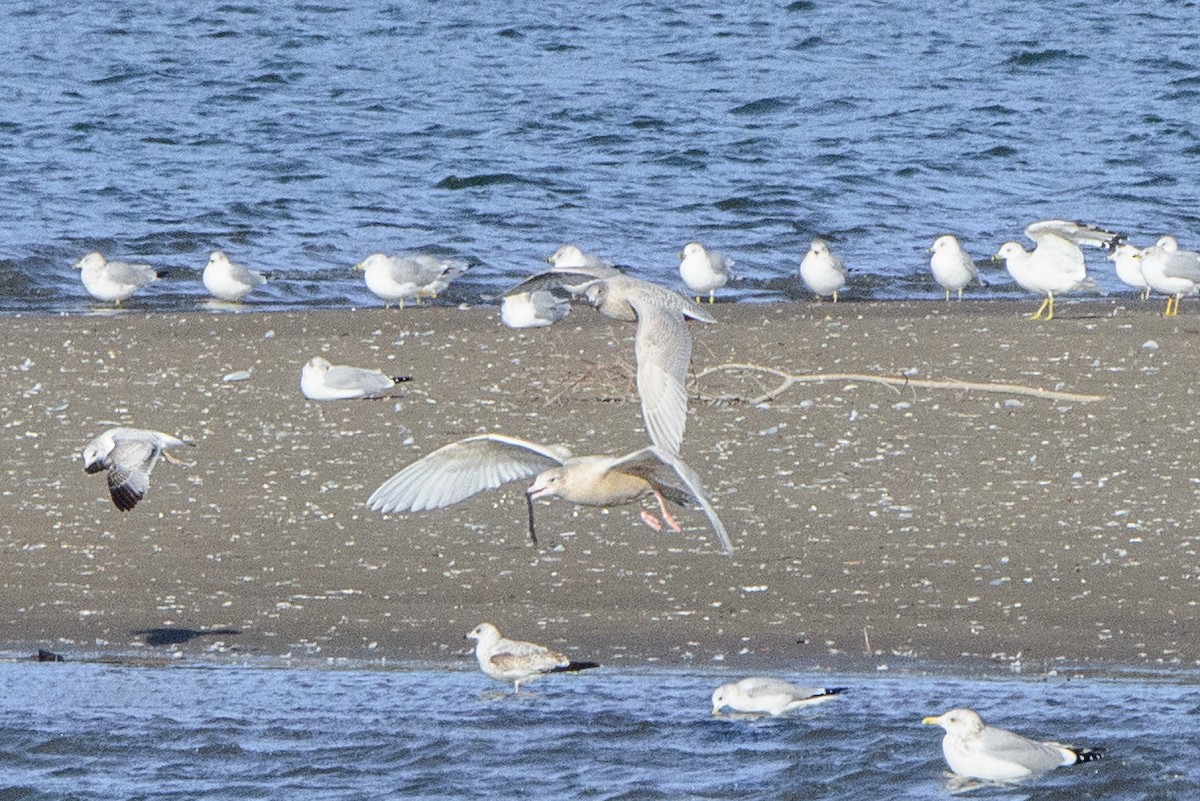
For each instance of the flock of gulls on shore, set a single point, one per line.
(662, 350)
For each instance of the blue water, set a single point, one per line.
(302, 136)
(88, 731)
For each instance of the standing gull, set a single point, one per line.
(703, 270)
(1056, 265)
(662, 347)
(1171, 271)
(113, 281)
(952, 266)
(227, 281)
(761, 694)
(1127, 260)
(322, 381)
(128, 455)
(518, 661)
(395, 279)
(823, 271)
(465, 468)
(974, 750)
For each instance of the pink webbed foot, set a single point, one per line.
(651, 521)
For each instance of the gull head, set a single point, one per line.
(958, 722)
(568, 256)
(547, 484)
(945, 242)
(720, 697)
(693, 249)
(94, 453)
(317, 364)
(1167, 243)
(371, 261)
(596, 293)
(1009, 250)
(484, 632)
(218, 259)
(92, 260)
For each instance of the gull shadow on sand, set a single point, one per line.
(173, 636)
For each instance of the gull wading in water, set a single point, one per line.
(703, 270)
(227, 281)
(762, 694)
(822, 271)
(518, 661)
(952, 267)
(1056, 264)
(113, 281)
(1170, 271)
(974, 750)
(465, 468)
(662, 347)
(322, 381)
(395, 279)
(128, 455)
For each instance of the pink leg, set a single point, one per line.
(668, 518)
(651, 521)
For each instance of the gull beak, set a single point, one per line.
(359, 266)
(931, 720)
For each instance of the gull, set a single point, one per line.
(1171, 271)
(952, 266)
(1056, 265)
(227, 281)
(113, 281)
(128, 455)
(703, 270)
(1127, 261)
(977, 751)
(322, 381)
(469, 466)
(822, 271)
(772, 696)
(662, 347)
(395, 279)
(518, 661)
(572, 257)
(544, 298)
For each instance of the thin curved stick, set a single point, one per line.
(788, 379)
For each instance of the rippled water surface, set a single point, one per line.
(301, 136)
(88, 731)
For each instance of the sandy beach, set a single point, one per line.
(873, 523)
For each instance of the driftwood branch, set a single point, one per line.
(895, 383)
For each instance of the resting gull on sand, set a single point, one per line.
(770, 696)
(113, 281)
(518, 661)
(974, 750)
(1056, 265)
(128, 455)
(703, 270)
(545, 298)
(465, 468)
(322, 381)
(228, 281)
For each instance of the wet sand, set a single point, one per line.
(873, 524)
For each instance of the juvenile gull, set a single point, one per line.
(128, 455)
(518, 661)
(322, 381)
(465, 468)
(977, 751)
(703, 270)
(545, 298)
(823, 271)
(1056, 264)
(113, 281)
(395, 279)
(227, 281)
(662, 347)
(1170, 271)
(1126, 260)
(768, 695)
(952, 266)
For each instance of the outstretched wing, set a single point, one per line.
(461, 469)
(129, 464)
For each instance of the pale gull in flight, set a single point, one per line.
(128, 455)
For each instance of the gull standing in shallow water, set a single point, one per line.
(974, 750)
(113, 281)
(518, 661)
(465, 468)
(395, 279)
(762, 694)
(128, 455)
(952, 266)
(227, 281)
(823, 271)
(1171, 271)
(703, 270)
(662, 347)
(1056, 265)
(322, 381)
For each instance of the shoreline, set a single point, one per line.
(950, 526)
